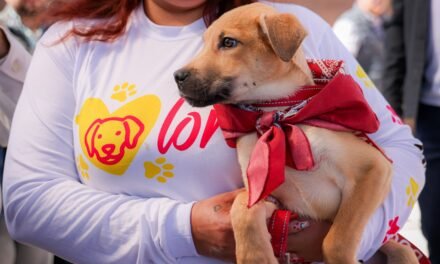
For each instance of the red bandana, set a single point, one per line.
(336, 102)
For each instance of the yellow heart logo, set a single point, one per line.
(111, 140)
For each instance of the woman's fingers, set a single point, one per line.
(307, 243)
(296, 226)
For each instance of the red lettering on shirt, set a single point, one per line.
(192, 121)
(394, 116)
(211, 126)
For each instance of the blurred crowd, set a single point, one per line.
(397, 44)
(22, 23)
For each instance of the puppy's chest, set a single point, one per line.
(317, 192)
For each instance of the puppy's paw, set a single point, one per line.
(256, 257)
(336, 253)
(252, 237)
(398, 254)
(257, 215)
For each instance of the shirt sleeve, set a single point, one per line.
(47, 206)
(13, 68)
(397, 142)
(15, 64)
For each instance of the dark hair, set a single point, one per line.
(115, 14)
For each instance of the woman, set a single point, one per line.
(108, 165)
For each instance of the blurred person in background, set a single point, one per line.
(25, 19)
(14, 62)
(412, 86)
(361, 30)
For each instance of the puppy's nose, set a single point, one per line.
(181, 75)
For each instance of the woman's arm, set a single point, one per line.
(47, 206)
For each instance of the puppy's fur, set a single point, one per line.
(254, 54)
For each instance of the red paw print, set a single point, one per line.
(395, 117)
(394, 228)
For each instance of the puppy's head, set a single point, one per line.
(251, 53)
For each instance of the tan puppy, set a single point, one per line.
(253, 54)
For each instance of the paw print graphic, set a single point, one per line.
(412, 190)
(395, 117)
(393, 228)
(159, 169)
(122, 92)
(361, 74)
(83, 167)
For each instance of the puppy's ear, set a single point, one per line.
(284, 32)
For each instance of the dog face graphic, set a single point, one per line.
(109, 138)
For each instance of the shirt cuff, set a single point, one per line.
(178, 232)
(16, 62)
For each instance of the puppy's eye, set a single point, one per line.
(227, 43)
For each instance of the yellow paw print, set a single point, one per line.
(412, 190)
(83, 167)
(160, 170)
(361, 74)
(122, 92)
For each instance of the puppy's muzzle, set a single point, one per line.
(202, 90)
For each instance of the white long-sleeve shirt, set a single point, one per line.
(105, 159)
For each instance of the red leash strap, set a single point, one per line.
(279, 229)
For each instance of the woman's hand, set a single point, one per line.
(306, 243)
(4, 44)
(211, 226)
(213, 235)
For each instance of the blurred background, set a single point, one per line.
(328, 9)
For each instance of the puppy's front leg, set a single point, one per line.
(252, 238)
(399, 254)
(368, 178)
(249, 224)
